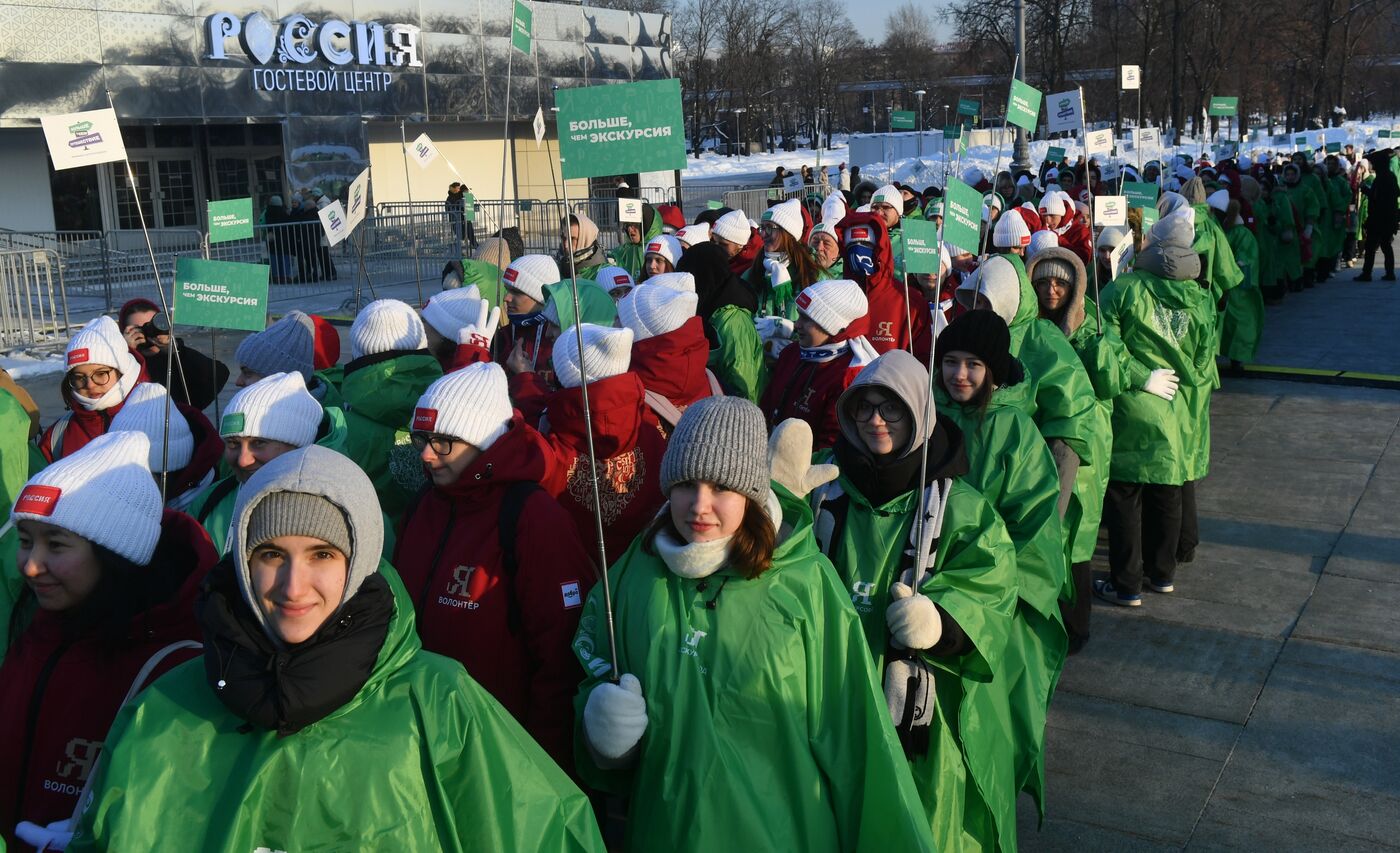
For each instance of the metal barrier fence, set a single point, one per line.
(33, 301)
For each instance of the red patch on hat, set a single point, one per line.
(424, 419)
(1026, 240)
(858, 234)
(78, 356)
(654, 247)
(804, 299)
(38, 500)
(621, 279)
(511, 273)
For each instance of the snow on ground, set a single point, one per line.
(711, 165)
(27, 365)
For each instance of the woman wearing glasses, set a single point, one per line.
(101, 371)
(494, 565)
(938, 648)
(787, 265)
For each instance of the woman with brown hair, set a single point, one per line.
(787, 266)
(746, 715)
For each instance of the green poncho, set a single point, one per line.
(738, 361)
(14, 473)
(421, 759)
(1244, 305)
(765, 730)
(380, 393)
(1285, 230)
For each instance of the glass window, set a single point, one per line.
(126, 205)
(76, 202)
(134, 136)
(266, 134)
(267, 181)
(226, 135)
(177, 196)
(230, 177)
(174, 136)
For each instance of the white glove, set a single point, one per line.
(615, 716)
(1307, 232)
(480, 331)
(777, 272)
(790, 459)
(774, 328)
(1162, 383)
(55, 836)
(913, 620)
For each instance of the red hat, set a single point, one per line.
(327, 345)
(131, 306)
(671, 215)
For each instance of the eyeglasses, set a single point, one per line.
(442, 444)
(97, 377)
(891, 411)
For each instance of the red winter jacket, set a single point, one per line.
(893, 306)
(530, 389)
(83, 425)
(807, 390)
(513, 635)
(740, 263)
(629, 442)
(673, 364)
(1079, 238)
(59, 694)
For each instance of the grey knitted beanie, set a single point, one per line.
(720, 440)
(287, 346)
(1054, 268)
(298, 514)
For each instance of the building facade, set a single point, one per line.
(233, 98)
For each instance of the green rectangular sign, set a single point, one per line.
(230, 220)
(1023, 106)
(1140, 194)
(969, 106)
(902, 120)
(920, 246)
(1149, 217)
(521, 29)
(1334, 147)
(1299, 140)
(468, 207)
(220, 294)
(1223, 106)
(953, 131)
(962, 222)
(621, 129)
(1055, 154)
(1382, 134)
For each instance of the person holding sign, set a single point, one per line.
(636, 236)
(111, 579)
(310, 641)
(746, 715)
(787, 265)
(101, 371)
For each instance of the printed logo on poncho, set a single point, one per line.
(573, 597)
(424, 419)
(619, 482)
(861, 591)
(233, 423)
(78, 356)
(38, 500)
(1172, 324)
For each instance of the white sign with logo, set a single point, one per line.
(1132, 77)
(1098, 142)
(792, 183)
(539, 127)
(1110, 170)
(1120, 260)
(1148, 139)
(82, 139)
(333, 222)
(359, 200)
(629, 210)
(423, 151)
(1110, 210)
(1065, 111)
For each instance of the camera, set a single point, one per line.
(157, 325)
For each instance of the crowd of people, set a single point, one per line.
(845, 515)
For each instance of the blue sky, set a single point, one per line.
(869, 15)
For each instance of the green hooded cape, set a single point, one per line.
(14, 473)
(1244, 306)
(379, 400)
(421, 759)
(765, 730)
(631, 256)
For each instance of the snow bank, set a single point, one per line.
(27, 365)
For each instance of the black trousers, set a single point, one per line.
(1376, 240)
(1076, 615)
(1190, 525)
(1144, 529)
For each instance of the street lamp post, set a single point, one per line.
(919, 93)
(1021, 153)
(738, 128)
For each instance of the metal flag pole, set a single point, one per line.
(1001, 150)
(505, 128)
(1093, 257)
(412, 218)
(213, 341)
(165, 307)
(592, 454)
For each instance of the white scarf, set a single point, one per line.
(825, 352)
(696, 560)
(116, 393)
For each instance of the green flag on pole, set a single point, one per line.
(1023, 107)
(619, 128)
(1223, 106)
(521, 30)
(962, 220)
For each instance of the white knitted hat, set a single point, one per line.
(447, 312)
(277, 408)
(834, 208)
(530, 273)
(472, 404)
(692, 234)
(833, 304)
(682, 281)
(650, 311)
(99, 341)
(611, 278)
(1040, 240)
(734, 227)
(1052, 204)
(1011, 231)
(144, 412)
(103, 492)
(889, 194)
(386, 325)
(827, 227)
(1219, 200)
(665, 246)
(607, 352)
(787, 216)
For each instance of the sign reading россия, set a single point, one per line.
(296, 40)
(621, 128)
